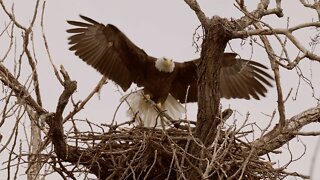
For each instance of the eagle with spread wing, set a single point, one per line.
(165, 82)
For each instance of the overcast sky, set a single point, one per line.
(165, 28)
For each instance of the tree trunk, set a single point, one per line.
(213, 46)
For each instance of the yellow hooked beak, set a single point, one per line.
(167, 62)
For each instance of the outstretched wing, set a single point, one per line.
(239, 78)
(243, 78)
(109, 51)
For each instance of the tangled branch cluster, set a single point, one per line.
(144, 153)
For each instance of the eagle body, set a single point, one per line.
(166, 83)
(153, 79)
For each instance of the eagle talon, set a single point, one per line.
(159, 105)
(147, 96)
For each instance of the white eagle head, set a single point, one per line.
(164, 64)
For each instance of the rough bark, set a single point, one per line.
(56, 124)
(213, 46)
(214, 43)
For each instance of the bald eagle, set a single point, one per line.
(166, 83)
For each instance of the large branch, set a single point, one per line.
(255, 16)
(268, 31)
(289, 34)
(64, 151)
(252, 17)
(20, 91)
(196, 8)
(276, 71)
(56, 121)
(277, 138)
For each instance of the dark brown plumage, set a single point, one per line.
(109, 51)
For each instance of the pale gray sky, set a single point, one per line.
(165, 28)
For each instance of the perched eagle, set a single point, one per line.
(109, 51)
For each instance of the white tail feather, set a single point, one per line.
(146, 114)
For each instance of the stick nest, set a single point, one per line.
(148, 153)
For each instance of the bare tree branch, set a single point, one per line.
(288, 33)
(20, 91)
(275, 68)
(276, 137)
(315, 6)
(196, 8)
(80, 106)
